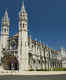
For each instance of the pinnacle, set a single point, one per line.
(5, 18)
(23, 7)
(6, 15)
(6, 12)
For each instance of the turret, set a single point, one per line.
(4, 34)
(23, 19)
(23, 40)
(5, 31)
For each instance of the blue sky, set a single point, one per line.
(47, 19)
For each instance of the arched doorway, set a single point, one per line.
(10, 63)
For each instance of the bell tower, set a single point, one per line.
(4, 33)
(23, 40)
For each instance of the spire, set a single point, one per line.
(6, 15)
(23, 7)
(5, 19)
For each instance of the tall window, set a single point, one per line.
(5, 30)
(23, 25)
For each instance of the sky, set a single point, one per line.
(46, 19)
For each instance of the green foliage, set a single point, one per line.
(59, 69)
(43, 70)
(55, 69)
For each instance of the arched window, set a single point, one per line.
(5, 30)
(23, 25)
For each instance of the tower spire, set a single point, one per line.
(4, 33)
(23, 7)
(23, 40)
(5, 19)
(5, 29)
(6, 16)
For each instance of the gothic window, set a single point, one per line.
(34, 61)
(28, 43)
(23, 15)
(32, 46)
(5, 30)
(23, 25)
(39, 61)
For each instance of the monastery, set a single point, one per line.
(21, 53)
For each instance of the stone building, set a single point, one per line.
(20, 52)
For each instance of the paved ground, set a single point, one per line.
(34, 77)
(32, 73)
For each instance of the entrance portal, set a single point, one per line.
(10, 63)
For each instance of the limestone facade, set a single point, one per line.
(21, 52)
